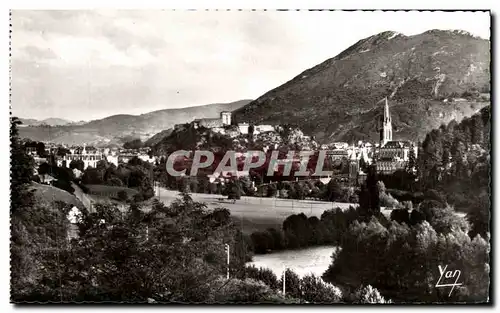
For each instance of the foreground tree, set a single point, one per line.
(169, 254)
(369, 197)
(402, 261)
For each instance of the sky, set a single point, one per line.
(84, 65)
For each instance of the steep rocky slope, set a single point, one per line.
(338, 99)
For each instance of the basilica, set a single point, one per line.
(392, 155)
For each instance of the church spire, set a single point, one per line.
(386, 129)
(387, 115)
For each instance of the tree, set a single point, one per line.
(421, 248)
(369, 198)
(477, 129)
(333, 191)
(297, 191)
(233, 188)
(297, 231)
(292, 284)
(241, 291)
(271, 190)
(78, 164)
(401, 216)
(133, 144)
(122, 195)
(368, 294)
(446, 157)
(381, 187)
(40, 149)
(264, 275)
(93, 176)
(251, 129)
(21, 167)
(262, 242)
(363, 165)
(314, 290)
(479, 217)
(167, 254)
(44, 168)
(61, 151)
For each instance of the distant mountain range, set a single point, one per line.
(338, 100)
(429, 79)
(48, 121)
(118, 129)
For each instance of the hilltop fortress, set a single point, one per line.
(219, 123)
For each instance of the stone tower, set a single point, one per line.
(226, 117)
(386, 127)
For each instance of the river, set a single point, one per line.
(313, 260)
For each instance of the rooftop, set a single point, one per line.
(397, 144)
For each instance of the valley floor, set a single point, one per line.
(256, 213)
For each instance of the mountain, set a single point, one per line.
(117, 129)
(55, 121)
(151, 142)
(338, 100)
(48, 121)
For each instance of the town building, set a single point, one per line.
(263, 129)
(243, 127)
(337, 154)
(89, 155)
(223, 120)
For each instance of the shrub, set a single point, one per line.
(386, 200)
(240, 291)
(432, 194)
(316, 291)
(368, 294)
(400, 216)
(445, 221)
(271, 190)
(64, 185)
(262, 241)
(292, 284)
(115, 181)
(138, 197)
(262, 274)
(278, 238)
(122, 195)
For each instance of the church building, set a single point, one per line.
(392, 155)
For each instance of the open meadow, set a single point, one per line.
(256, 213)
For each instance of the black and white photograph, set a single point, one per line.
(250, 157)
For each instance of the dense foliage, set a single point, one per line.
(135, 174)
(455, 159)
(402, 261)
(36, 229)
(133, 144)
(169, 254)
(299, 231)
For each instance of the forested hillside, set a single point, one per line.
(456, 159)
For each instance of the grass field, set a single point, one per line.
(48, 195)
(255, 213)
